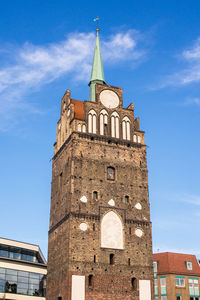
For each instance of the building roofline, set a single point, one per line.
(39, 250)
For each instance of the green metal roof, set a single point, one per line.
(97, 67)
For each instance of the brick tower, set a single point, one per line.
(100, 244)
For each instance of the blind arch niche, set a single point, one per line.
(111, 231)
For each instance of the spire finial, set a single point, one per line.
(97, 20)
(97, 75)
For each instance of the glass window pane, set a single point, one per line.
(22, 285)
(22, 279)
(17, 255)
(2, 276)
(12, 278)
(34, 281)
(4, 253)
(34, 275)
(22, 273)
(2, 282)
(11, 272)
(2, 270)
(22, 291)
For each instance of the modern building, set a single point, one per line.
(176, 276)
(100, 244)
(23, 271)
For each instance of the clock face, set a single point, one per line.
(109, 99)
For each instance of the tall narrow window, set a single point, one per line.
(112, 259)
(93, 226)
(103, 122)
(115, 125)
(163, 285)
(79, 127)
(92, 121)
(193, 287)
(90, 280)
(134, 283)
(129, 261)
(83, 128)
(95, 195)
(60, 180)
(127, 199)
(126, 128)
(94, 258)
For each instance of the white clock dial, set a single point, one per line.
(109, 99)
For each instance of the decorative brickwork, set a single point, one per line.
(80, 168)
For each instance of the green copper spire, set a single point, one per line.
(97, 75)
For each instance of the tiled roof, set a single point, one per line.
(175, 263)
(78, 109)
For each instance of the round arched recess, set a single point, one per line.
(112, 231)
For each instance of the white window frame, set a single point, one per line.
(103, 120)
(180, 281)
(115, 125)
(189, 265)
(163, 285)
(126, 128)
(155, 266)
(92, 121)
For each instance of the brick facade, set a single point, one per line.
(80, 168)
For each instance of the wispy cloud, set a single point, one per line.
(192, 102)
(191, 199)
(35, 66)
(190, 73)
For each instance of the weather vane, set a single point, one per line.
(97, 20)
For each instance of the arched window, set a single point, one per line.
(92, 121)
(83, 128)
(79, 127)
(103, 122)
(90, 280)
(135, 138)
(139, 139)
(134, 283)
(115, 125)
(111, 231)
(126, 127)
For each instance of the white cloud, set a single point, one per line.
(191, 199)
(190, 73)
(35, 66)
(192, 101)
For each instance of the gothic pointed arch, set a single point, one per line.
(115, 125)
(103, 119)
(112, 231)
(92, 121)
(126, 128)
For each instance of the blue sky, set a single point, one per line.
(152, 50)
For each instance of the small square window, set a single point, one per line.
(189, 265)
(110, 173)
